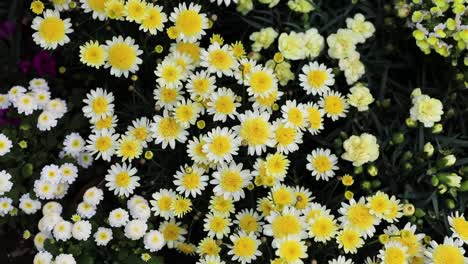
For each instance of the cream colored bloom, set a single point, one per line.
(360, 97)
(291, 45)
(426, 110)
(263, 38)
(313, 42)
(361, 149)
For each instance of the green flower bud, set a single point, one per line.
(434, 181)
(372, 170)
(358, 170)
(451, 179)
(407, 166)
(450, 203)
(376, 184)
(437, 129)
(410, 123)
(27, 170)
(428, 149)
(419, 213)
(366, 185)
(446, 161)
(442, 189)
(398, 138)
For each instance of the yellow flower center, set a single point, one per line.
(244, 247)
(220, 59)
(461, 227)
(103, 143)
(169, 127)
(317, 78)
(314, 117)
(360, 216)
(99, 105)
(168, 95)
(189, 22)
(295, 116)
(261, 82)
(140, 133)
(225, 104)
(218, 223)
(165, 203)
(248, 223)
(323, 227)
(285, 225)
(191, 181)
(334, 105)
(171, 232)
(291, 250)
(255, 131)
(52, 29)
(122, 179)
(285, 135)
(231, 181)
(94, 55)
(220, 146)
(184, 113)
(201, 86)
(322, 163)
(121, 56)
(97, 5)
(444, 254)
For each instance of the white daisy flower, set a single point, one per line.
(200, 85)
(294, 114)
(41, 96)
(190, 181)
(51, 208)
(219, 60)
(5, 144)
(167, 97)
(4, 101)
(86, 210)
(103, 143)
(85, 159)
(69, 173)
(118, 217)
(122, 56)
(28, 205)
(316, 78)
(341, 260)
(43, 257)
(135, 229)
(44, 189)
(249, 221)
(97, 8)
(5, 205)
(46, 121)
(255, 130)
(288, 222)
(38, 84)
(14, 92)
(186, 112)
(154, 19)
(221, 144)
(56, 106)
(217, 225)
(169, 74)
(154, 240)
(450, 251)
(334, 105)
(161, 203)
(99, 104)
(261, 82)
(140, 129)
(122, 180)
(291, 249)
(103, 236)
(25, 104)
(244, 247)
(195, 150)
(51, 30)
(287, 139)
(167, 131)
(458, 225)
(63, 230)
(223, 104)
(51, 173)
(315, 118)
(173, 232)
(322, 164)
(64, 259)
(93, 196)
(230, 180)
(81, 230)
(189, 22)
(357, 216)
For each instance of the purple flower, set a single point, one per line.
(6, 29)
(44, 64)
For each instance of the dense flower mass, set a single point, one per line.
(192, 140)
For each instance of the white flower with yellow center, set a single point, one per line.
(86, 210)
(394, 253)
(217, 225)
(288, 222)
(277, 165)
(103, 143)
(136, 10)
(38, 83)
(191, 49)
(122, 180)
(395, 212)
(261, 81)
(265, 206)
(166, 131)
(226, 2)
(51, 173)
(426, 110)
(46, 121)
(93, 54)
(361, 149)
(316, 78)
(322, 164)
(5, 205)
(4, 101)
(287, 139)
(255, 131)
(154, 241)
(221, 145)
(25, 104)
(200, 85)
(5, 183)
(5, 144)
(223, 104)
(314, 210)
(93, 196)
(323, 227)
(96, 7)
(56, 106)
(118, 217)
(450, 251)
(122, 56)
(173, 232)
(294, 115)
(51, 30)
(334, 105)
(115, 9)
(303, 197)
(357, 216)
(28, 205)
(190, 181)
(459, 226)
(61, 5)
(169, 74)
(230, 180)
(73, 144)
(195, 150)
(282, 195)
(314, 116)
(135, 229)
(99, 104)
(168, 97)
(103, 236)
(221, 205)
(187, 112)
(349, 240)
(242, 73)
(161, 203)
(43, 257)
(211, 259)
(219, 60)
(140, 130)
(129, 148)
(266, 103)
(379, 204)
(408, 238)
(189, 23)
(249, 221)
(244, 247)
(154, 19)
(290, 249)
(41, 96)
(182, 59)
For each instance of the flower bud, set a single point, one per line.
(437, 129)
(372, 170)
(398, 138)
(428, 149)
(410, 123)
(451, 179)
(408, 209)
(446, 161)
(464, 186)
(450, 203)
